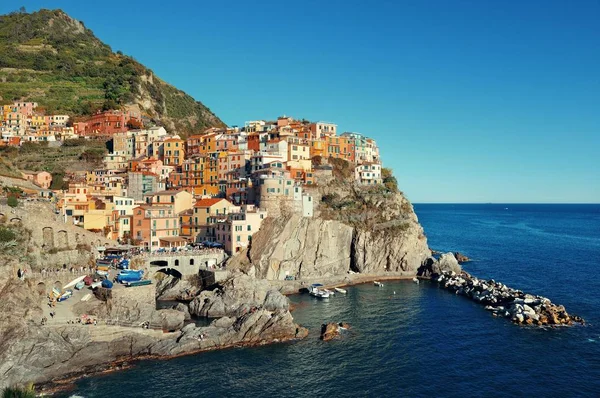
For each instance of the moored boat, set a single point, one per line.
(340, 290)
(65, 295)
(138, 283)
(314, 287)
(377, 283)
(415, 280)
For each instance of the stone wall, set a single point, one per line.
(52, 242)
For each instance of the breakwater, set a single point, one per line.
(503, 301)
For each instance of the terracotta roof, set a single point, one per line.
(207, 202)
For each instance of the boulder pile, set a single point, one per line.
(503, 301)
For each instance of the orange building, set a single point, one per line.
(173, 152)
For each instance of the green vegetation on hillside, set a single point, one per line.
(52, 59)
(75, 156)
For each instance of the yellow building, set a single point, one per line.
(173, 152)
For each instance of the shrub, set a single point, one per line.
(391, 183)
(7, 234)
(12, 201)
(18, 392)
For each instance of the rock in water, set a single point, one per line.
(461, 258)
(329, 331)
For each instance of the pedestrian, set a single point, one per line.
(19, 273)
(52, 314)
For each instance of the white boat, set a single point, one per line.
(314, 288)
(322, 294)
(330, 292)
(96, 284)
(340, 290)
(377, 283)
(415, 280)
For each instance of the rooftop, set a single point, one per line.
(208, 202)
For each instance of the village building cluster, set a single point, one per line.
(160, 190)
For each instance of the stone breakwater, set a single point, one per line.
(503, 301)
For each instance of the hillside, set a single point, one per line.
(50, 58)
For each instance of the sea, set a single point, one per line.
(409, 340)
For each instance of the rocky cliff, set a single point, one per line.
(368, 230)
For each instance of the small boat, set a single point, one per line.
(102, 273)
(80, 285)
(138, 283)
(330, 292)
(96, 284)
(415, 280)
(377, 283)
(340, 290)
(66, 294)
(314, 288)
(321, 294)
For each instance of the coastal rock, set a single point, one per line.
(461, 258)
(301, 247)
(31, 353)
(239, 291)
(168, 320)
(184, 309)
(447, 262)
(433, 268)
(329, 331)
(356, 229)
(276, 301)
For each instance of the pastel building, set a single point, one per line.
(234, 231)
(153, 224)
(368, 174)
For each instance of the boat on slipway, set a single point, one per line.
(317, 290)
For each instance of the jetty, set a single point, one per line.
(503, 301)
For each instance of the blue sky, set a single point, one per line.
(470, 101)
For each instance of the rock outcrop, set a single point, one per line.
(361, 229)
(31, 353)
(329, 331)
(301, 247)
(433, 267)
(239, 294)
(461, 258)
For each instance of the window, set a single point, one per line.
(249, 228)
(239, 238)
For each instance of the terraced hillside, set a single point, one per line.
(50, 58)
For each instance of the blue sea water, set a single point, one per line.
(419, 340)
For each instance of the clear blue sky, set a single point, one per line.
(470, 101)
